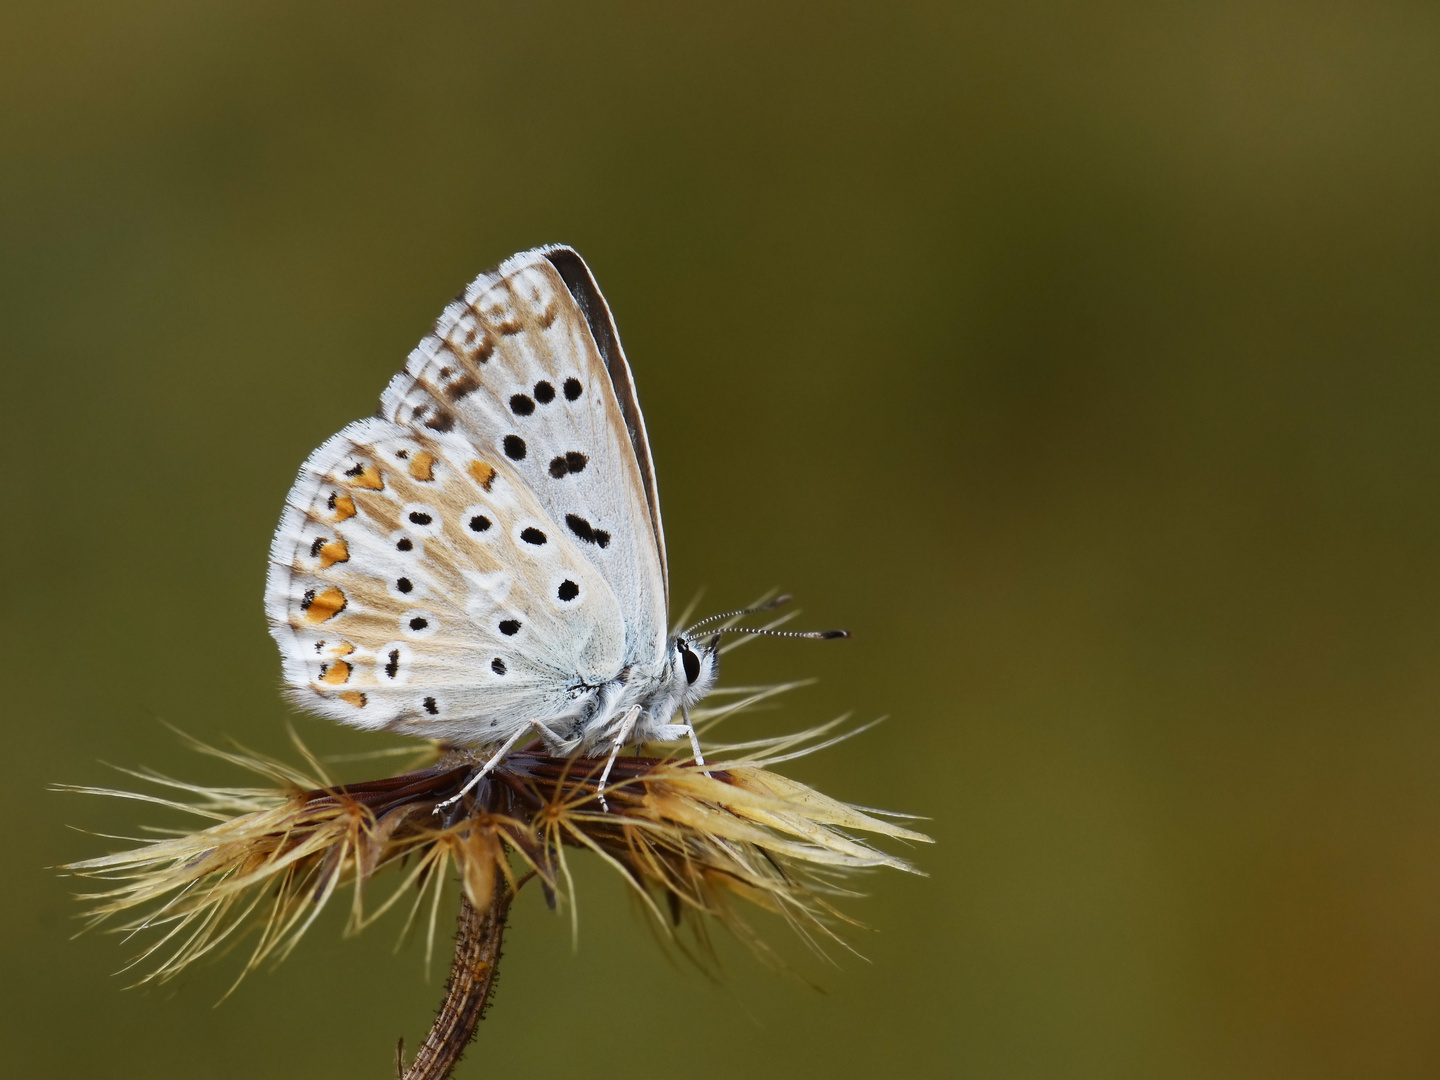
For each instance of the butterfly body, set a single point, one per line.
(485, 555)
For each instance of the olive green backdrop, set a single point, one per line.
(1081, 358)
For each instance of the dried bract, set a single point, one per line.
(690, 840)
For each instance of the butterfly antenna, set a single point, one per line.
(769, 605)
(816, 635)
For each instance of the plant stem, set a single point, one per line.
(467, 994)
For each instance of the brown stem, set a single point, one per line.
(467, 994)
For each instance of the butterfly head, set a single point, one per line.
(694, 665)
(694, 658)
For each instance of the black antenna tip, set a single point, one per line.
(829, 634)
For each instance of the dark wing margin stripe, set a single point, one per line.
(578, 280)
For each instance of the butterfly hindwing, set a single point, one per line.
(417, 584)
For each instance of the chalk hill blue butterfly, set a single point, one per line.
(484, 558)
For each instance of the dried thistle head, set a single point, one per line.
(689, 840)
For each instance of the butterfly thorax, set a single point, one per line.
(661, 691)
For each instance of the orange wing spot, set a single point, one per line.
(422, 465)
(333, 551)
(344, 507)
(483, 474)
(323, 605)
(343, 649)
(335, 673)
(353, 697)
(368, 478)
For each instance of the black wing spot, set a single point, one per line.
(575, 461)
(419, 518)
(568, 590)
(544, 392)
(355, 470)
(479, 523)
(404, 544)
(402, 454)
(587, 532)
(521, 405)
(533, 535)
(498, 666)
(417, 623)
(393, 667)
(514, 447)
(404, 585)
(316, 545)
(510, 627)
(307, 599)
(431, 707)
(573, 389)
(558, 468)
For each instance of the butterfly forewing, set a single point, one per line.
(586, 293)
(488, 545)
(514, 366)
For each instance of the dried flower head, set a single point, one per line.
(688, 839)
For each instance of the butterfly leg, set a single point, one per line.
(490, 765)
(627, 725)
(694, 739)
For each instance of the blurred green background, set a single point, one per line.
(1081, 358)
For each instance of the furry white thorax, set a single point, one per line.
(660, 690)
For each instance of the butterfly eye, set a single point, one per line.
(691, 662)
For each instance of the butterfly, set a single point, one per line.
(484, 558)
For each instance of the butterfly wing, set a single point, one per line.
(418, 584)
(489, 545)
(533, 372)
(586, 294)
